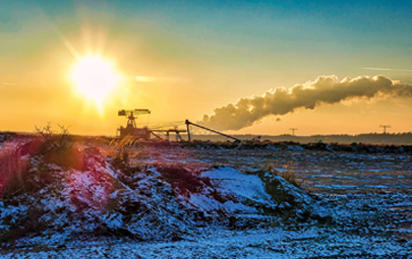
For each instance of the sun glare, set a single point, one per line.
(95, 78)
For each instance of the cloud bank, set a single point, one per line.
(280, 101)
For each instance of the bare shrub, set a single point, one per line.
(58, 149)
(51, 139)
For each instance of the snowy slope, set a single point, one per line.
(105, 197)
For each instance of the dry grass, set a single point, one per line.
(18, 175)
(13, 165)
(288, 173)
(121, 148)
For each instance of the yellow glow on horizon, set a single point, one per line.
(95, 79)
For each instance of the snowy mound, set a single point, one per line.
(264, 193)
(100, 196)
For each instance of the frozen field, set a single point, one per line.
(259, 243)
(361, 185)
(369, 197)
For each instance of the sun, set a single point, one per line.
(95, 78)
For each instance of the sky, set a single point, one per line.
(322, 68)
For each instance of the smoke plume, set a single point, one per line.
(280, 101)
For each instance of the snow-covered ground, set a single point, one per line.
(351, 206)
(255, 243)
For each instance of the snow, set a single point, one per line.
(260, 243)
(336, 186)
(239, 215)
(243, 188)
(295, 148)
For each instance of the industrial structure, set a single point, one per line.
(144, 132)
(131, 129)
(188, 124)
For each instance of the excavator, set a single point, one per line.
(144, 133)
(131, 128)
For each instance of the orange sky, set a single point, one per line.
(182, 65)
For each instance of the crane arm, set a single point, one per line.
(214, 131)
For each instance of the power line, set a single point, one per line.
(384, 128)
(293, 130)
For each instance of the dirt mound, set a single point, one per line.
(106, 197)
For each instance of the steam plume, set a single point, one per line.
(280, 101)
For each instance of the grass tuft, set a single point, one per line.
(288, 173)
(13, 166)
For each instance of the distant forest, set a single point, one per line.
(367, 138)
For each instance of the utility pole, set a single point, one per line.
(188, 130)
(293, 130)
(384, 128)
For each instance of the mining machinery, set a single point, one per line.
(144, 132)
(131, 129)
(189, 123)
